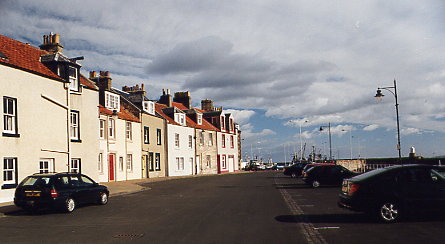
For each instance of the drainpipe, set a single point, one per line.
(68, 123)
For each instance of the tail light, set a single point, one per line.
(353, 188)
(54, 193)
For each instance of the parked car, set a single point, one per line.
(392, 192)
(327, 175)
(294, 170)
(63, 191)
(311, 165)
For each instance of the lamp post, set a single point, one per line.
(301, 143)
(379, 95)
(330, 141)
(350, 141)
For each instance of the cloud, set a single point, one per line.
(241, 116)
(409, 131)
(371, 127)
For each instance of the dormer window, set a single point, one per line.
(199, 118)
(223, 124)
(180, 118)
(112, 101)
(73, 79)
(149, 107)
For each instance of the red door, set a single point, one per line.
(111, 163)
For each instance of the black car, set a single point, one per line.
(294, 170)
(62, 191)
(391, 192)
(326, 175)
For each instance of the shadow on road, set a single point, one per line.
(300, 186)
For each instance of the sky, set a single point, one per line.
(277, 66)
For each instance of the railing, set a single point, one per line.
(369, 167)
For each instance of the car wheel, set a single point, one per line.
(389, 212)
(293, 175)
(315, 184)
(103, 198)
(70, 205)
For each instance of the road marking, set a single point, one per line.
(326, 228)
(310, 233)
(307, 205)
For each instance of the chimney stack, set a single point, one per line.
(207, 105)
(51, 43)
(103, 81)
(184, 98)
(166, 98)
(136, 94)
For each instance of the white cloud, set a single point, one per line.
(409, 131)
(371, 127)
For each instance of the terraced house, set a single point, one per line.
(49, 113)
(54, 119)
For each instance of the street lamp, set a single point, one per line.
(330, 141)
(379, 95)
(301, 143)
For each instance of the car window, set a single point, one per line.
(87, 181)
(75, 180)
(36, 181)
(62, 182)
(415, 176)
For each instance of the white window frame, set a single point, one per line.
(75, 165)
(9, 115)
(199, 118)
(157, 161)
(190, 141)
(146, 135)
(210, 142)
(128, 130)
(179, 163)
(111, 128)
(149, 107)
(73, 79)
(9, 171)
(46, 165)
(75, 125)
(223, 162)
(201, 138)
(112, 101)
(159, 136)
(232, 141)
(101, 128)
(176, 140)
(100, 163)
(130, 162)
(208, 161)
(223, 141)
(121, 164)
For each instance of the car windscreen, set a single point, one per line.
(35, 181)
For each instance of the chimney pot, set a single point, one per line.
(92, 74)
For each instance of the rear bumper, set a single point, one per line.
(39, 203)
(354, 204)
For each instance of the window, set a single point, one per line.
(208, 161)
(100, 163)
(180, 118)
(46, 165)
(72, 77)
(190, 141)
(9, 173)
(191, 164)
(158, 161)
(102, 129)
(121, 164)
(158, 136)
(10, 116)
(130, 162)
(146, 135)
(199, 118)
(75, 165)
(223, 126)
(223, 140)
(201, 138)
(150, 162)
(232, 142)
(179, 163)
(112, 101)
(176, 140)
(128, 131)
(111, 128)
(223, 161)
(86, 181)
(210, 143)
(149, 107)
(74, 120)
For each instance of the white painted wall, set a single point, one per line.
(183, 151)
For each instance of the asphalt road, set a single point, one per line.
(261, 207)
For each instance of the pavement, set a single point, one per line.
(117, 188)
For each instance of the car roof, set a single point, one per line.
(377, 172)
(54, 174)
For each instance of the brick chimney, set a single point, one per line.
(166, 98)
(51, 43)
(103, 81)
(207, 105)
(136, 94)
(184, 98)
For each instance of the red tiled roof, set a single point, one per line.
(122, 114)
(88, 83)
(190, 123)
(159, 108)
(24, 56)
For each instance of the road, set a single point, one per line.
(261, 207)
